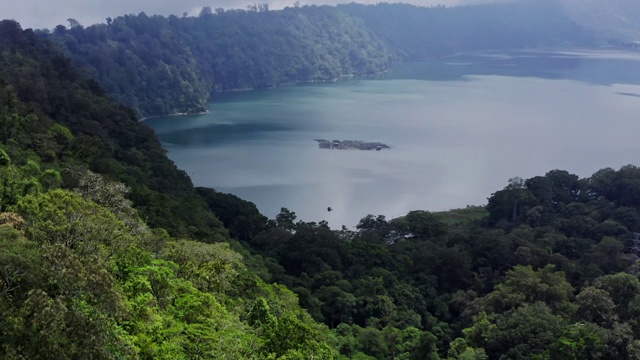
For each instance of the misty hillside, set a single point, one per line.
(426, 32)
(610, 19)
(161, 65)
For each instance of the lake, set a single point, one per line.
(458, 128)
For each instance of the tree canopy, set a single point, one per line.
(107, 251)
(166, 65)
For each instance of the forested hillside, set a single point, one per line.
(82, 274)
(97, 229)
(106, 137)
(108, 252)
(159, 65)
(548, 269)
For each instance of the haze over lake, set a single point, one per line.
(458, 128)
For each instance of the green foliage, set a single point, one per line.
(81, 275)
(209, 267)
(524, 332)
(52, 113)
(160, 66)
(624, 290)
(484, 288)
(459, 349)
(595, 306)
(579, 341)
(523, 285)
(61, 217)
(424, 224)
(241, 217)
(171, 65)
(81, 283)
(97, 226)
(15, 182)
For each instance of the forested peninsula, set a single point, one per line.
(166, 65)
(107, 251)
(161, 65)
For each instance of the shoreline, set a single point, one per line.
(328, 81)
(142, 119)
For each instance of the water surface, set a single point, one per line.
(458, 129)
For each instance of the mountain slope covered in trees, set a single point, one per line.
(107, 137)
(548, 269)
(98, 258)
(94, 263)
(161, 65)
(82, 275)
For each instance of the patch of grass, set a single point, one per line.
(462, 217)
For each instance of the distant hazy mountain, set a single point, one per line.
(615, 19)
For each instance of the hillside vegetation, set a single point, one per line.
(98, 230)
(82, 274)
(546, 270)
(160, 66)
(108, 252)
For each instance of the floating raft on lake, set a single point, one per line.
(350, 145)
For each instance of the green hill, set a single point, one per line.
(87, 269)
(108, 252)
(160, 66)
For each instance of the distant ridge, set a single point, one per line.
(166, 65)
(610, 19)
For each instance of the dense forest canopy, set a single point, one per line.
(107, 251)
(163, 65)
(106, 136)
(160, 66)
(95, 260)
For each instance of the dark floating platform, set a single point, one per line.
(350, 145)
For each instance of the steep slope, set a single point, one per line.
(548, 269)
(82, 276)
(107, 137)
(169, 65)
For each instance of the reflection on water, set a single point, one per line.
(458, 128)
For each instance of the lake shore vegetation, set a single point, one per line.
(108, 251)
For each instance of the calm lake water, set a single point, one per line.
(458, 128)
